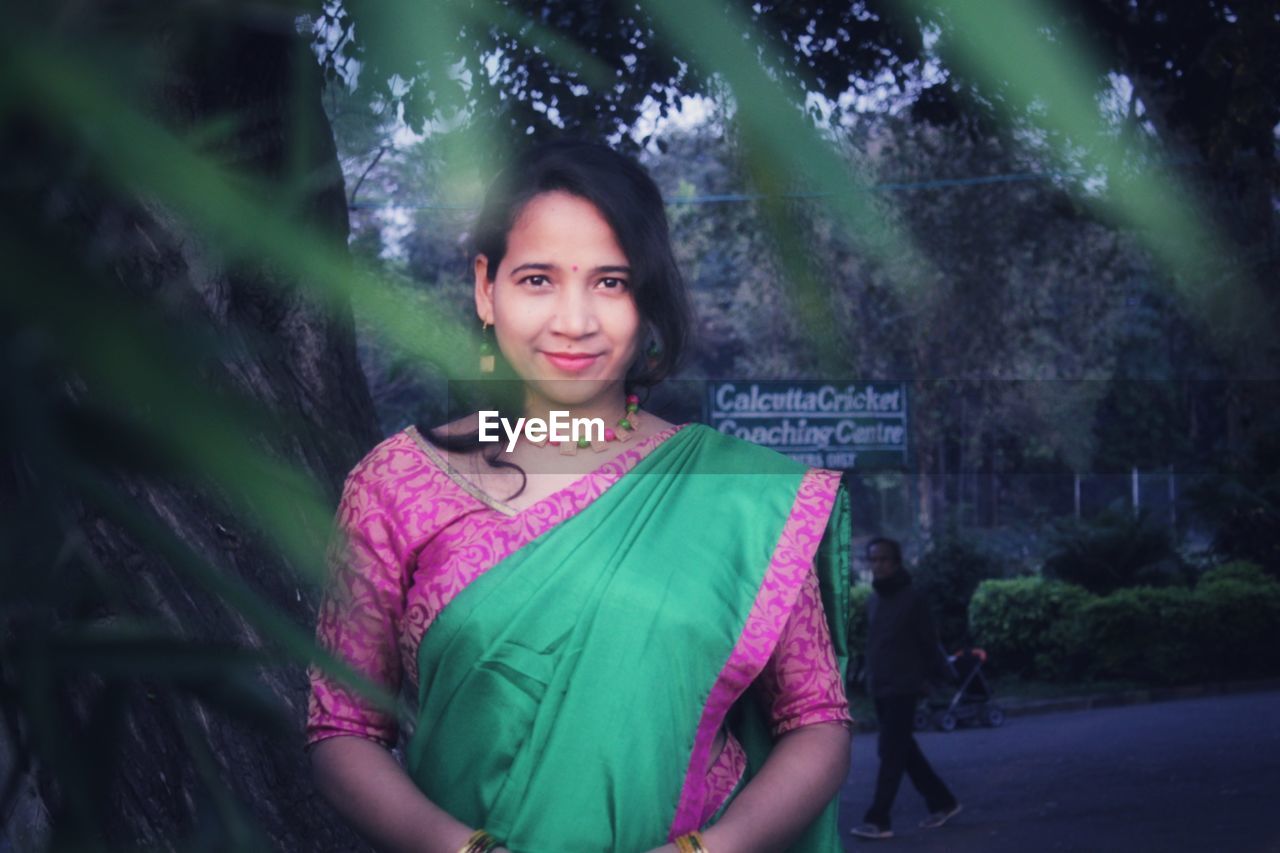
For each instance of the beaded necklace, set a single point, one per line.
(626, 427)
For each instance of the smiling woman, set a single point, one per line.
(640, 648)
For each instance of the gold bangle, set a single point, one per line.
(691, 842)
(479, 842)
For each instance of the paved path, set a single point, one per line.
(1198, 774)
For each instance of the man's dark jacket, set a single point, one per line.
(903, 654)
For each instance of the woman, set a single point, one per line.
(616, 644)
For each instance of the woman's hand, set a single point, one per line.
(800, 776)
(365, 784)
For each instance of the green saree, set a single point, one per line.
(570, 694)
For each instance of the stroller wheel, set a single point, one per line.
(992, 715)
(946, 722)
(921, 720)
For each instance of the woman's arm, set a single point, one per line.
(803, 692)
(360, 623)
(370, 790)
(365, 784)
(803, 772)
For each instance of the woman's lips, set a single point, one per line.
(571, 363)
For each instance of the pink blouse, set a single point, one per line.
(414, 534)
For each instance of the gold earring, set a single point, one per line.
(487, 360)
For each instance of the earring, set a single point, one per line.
(487, 359)
(653, 353)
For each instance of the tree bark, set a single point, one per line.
(280, 350)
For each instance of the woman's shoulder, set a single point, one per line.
(394, 463)
(405, 481)
(451, 447)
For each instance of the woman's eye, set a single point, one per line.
(535, 280)
(613, 283)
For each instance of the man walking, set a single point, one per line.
(903, 655)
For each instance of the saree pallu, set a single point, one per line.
(570, 695)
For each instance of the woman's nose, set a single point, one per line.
(574, 316)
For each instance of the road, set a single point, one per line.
(1195, 774)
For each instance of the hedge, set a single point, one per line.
(1029, 626)
(1241, 628)
(1228, 626)
(1237, 570)
(858, 596)
(1144, 634)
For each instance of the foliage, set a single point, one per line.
(1143, 423)
(515, 67)
(1241, 629)
(1006, 367)
(859, 594)
(1227, 627)
(523, 68)
(1112, 551)
(1144, 633)
(1221, 630)
(1239, 571)
(405, 388)
(183, 402)
(1241, 504)
(1029, 625)
(966, 299)
(949, 572)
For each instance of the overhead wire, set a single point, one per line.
(738, 198)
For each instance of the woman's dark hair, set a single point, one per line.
(630, 202)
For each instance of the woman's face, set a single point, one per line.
(561, 303)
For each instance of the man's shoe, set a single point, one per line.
(937, 819)
(870, 830)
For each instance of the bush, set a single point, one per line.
(1225, 628)
(1114, 551)
(948, 574)
(1030, 626)
(1242, 506)
(1241, 571)
(1144, 634)
(1240, 628)
(858, 596)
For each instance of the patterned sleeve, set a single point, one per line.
(359, 619)
(801, 683)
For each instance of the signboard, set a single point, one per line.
(861, 425)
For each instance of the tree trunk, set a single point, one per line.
(924, 496)
(279, 350)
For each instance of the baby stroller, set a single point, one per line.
(973, 700)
